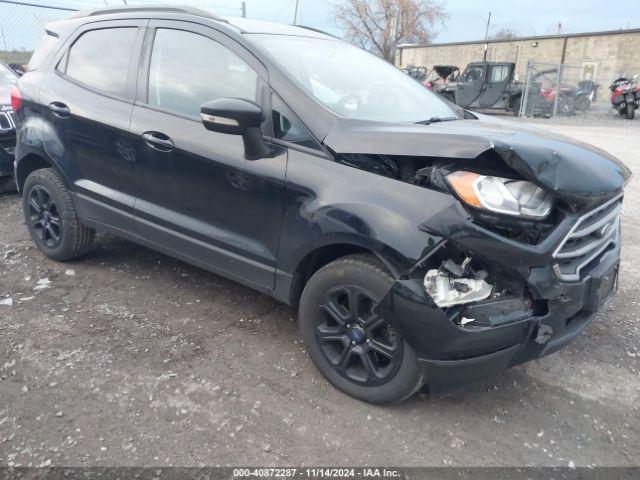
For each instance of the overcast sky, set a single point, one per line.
(467, 18)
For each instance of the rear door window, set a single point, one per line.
(188, 69)
(100, 59)
(499, 73)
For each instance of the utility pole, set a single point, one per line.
(244, 9)
(295, 13)
(486, 37)
(4, 40)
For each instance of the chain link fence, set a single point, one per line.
(22, 24)
(558, 89)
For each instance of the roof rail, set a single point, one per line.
(317, 30)
(151, 8)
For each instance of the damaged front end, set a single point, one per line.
(528, 255)
(480, 302)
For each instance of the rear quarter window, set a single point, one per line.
(47, 45)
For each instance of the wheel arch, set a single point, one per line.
(31, 162)
(322, 255)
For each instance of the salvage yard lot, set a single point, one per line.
(129, 358)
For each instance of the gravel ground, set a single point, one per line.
(131, 358)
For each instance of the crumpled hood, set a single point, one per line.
(572, 171)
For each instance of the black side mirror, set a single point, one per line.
(237, 116)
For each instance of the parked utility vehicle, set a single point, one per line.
(421, 243)
(485, 85)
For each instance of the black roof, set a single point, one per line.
(242, 25)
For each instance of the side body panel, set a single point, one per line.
(91, 145)
(329, 203)
(202, 197)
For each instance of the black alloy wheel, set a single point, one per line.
(44, 217)
(360, 345)
(51, 217)
(356, 350)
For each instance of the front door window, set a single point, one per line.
(188, 70)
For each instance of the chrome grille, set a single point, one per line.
(592, 234)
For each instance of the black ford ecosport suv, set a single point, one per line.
(422, 244)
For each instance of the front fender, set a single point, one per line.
(329, 203)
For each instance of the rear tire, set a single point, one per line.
(631, 112)
(52, 219)
(358, 352)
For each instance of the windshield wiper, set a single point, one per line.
(436, 120)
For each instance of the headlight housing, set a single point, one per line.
(501, 195)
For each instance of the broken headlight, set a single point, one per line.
(501, 195)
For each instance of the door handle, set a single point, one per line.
(158, 141)
(59, 109)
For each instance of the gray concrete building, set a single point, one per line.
(595, 55)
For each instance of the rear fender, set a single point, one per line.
(40, 138)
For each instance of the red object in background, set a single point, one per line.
(16, 99)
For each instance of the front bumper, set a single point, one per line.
(452, 355)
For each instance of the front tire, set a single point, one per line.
(357, 351)
(52, 219)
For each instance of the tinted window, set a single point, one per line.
(45, 45)
(499, 73)
(100, 59)
(288, 128)
(188, 70)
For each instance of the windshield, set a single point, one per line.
(7, 77)
(354, 83)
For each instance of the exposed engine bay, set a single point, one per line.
(432, 173)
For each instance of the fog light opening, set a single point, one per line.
(456, 284)
(545, 332)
